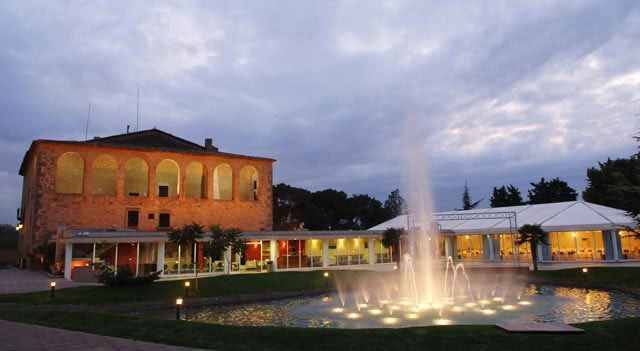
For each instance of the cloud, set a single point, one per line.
(503, 92)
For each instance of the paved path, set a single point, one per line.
(27, 337)
(13, 280)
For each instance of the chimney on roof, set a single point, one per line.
(208, 145)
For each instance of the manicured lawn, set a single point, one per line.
(253, 284)
(596, 277)
(610, 335)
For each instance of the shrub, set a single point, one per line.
(124, 277)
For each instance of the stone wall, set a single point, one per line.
(48, 212)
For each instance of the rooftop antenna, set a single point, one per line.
(86, 127)
(138, 111)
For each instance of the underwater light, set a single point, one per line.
(484, 302)
(412, 316)
(353, 315)
(394, 307)
(457, 309)
(508, 307)
(470, 304)
(362, 305)
(390, 320)
(442, 321)
(375, 311)
(488, 311)
(524, 303)
(337, 310)
(498, 299)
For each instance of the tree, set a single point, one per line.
(555, 190)
(534, 235)
(223, 240)
(391, 239)
(186, 237)
(506, 196)
(395, 204)
(295, 208)
(467, 203)
(365, 211)
(614, 183)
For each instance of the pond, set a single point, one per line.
(542, 303)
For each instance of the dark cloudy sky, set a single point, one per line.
(503, 91)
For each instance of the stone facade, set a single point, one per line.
(46, 213)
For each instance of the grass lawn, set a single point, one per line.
(596, 277)
(226, 285)
(609, 335)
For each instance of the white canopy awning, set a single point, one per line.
(560, 216)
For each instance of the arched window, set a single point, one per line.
(136, 177)
(167, 175)
(223, 182)
(103, 175)
(195, 180)
(69, 173)
(248, 184)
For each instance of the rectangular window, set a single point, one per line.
(164, 220)
(132, 218)
(163, 191)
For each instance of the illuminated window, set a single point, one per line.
(223, 182)
(69, 173)
(136, 177)
(195, 180)
(248, 184)
(167, 175)
(103, 175)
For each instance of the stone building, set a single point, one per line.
(139, 182)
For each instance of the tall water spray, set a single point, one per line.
(421, 261)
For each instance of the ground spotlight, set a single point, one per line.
(52, 289)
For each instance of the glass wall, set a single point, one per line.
(469, 247)
(630, 245)
(256, 257)
(81, 255)
(186, 259)
(105, 256)
(332, 254)
(573, 246)
(171, 259)
(312, 255)
(504, 249)
(288, 254)
(383, 254)
(148, 259)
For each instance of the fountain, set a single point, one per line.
(425, 286)
(426, 290)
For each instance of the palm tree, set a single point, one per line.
(222, 240)
(186, 237)
(391, 238)
(534, 235)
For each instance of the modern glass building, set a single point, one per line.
(578, 232)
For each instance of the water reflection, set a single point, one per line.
(544, 304)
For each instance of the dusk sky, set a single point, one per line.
(503, 91)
